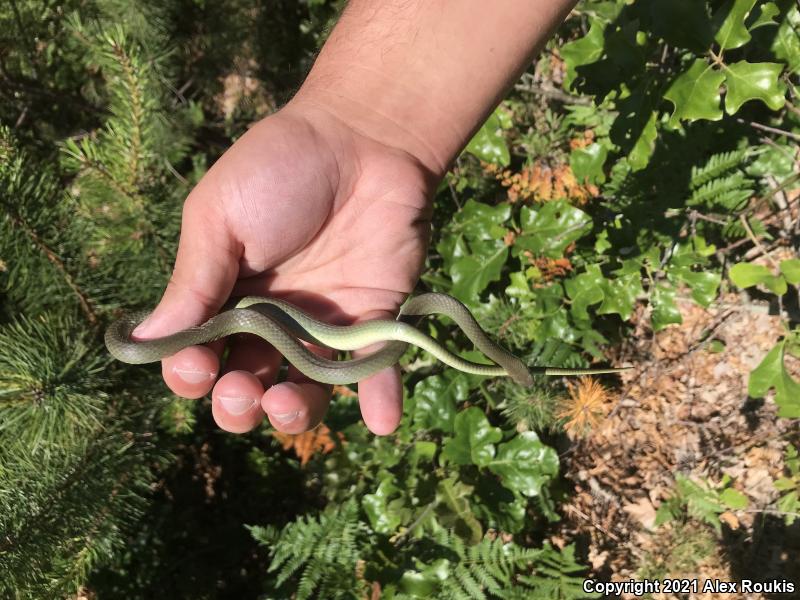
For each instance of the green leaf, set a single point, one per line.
(473, 274)
(754, 81)
(772, 373)
(548, 231)
(767, 16)
(525, 464)
(489, 144)
(454, 510)
(704, 284)
(729, 21)
(784, 484)
(479, 221)
(701, 501)
(585, 290)
(639, 156)
(665, 310)
(746, 275)
(474, 439)
(695, 93)
(620, 295)
(786, 45)
(790, 503)
(497, 506)
(583, 51)
(384, 517)
(791, 270)
(587, 163)
(734, 499)
(716, 346)
(777, 285)
(433, 403)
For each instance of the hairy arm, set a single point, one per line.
(421, 75)
(293, 207)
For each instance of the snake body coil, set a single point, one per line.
(283, 325)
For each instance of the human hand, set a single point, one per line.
(305, 208)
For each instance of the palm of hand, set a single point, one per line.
(317, 214)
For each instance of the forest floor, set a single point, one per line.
(685, 410)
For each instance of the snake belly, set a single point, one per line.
(283, 325)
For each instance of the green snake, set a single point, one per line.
(283, 325)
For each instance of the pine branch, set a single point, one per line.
(84, 302)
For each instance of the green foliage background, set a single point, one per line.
(109, 116)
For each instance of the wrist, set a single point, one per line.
(384, 110)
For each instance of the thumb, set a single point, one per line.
(206, 267)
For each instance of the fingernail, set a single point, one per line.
(193, 375)
(285, 417)
(141, 329)
(237, 405)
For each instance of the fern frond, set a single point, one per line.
(716, 166)
(735, 229)
(323, 549)
(556, 575)
(728, 192)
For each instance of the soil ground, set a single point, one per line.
(686, 410)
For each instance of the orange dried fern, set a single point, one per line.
(305, 445)
(585, 406)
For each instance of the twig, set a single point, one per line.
(397, 540)
(782, 200)
(698, 215)
(773, 511)
(58, 264)
(755, 241)
(774, 130)
(792, 107)
(552, 93)
(21, 118)
(585, 517)
(177, 175)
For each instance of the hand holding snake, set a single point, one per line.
(299, 204)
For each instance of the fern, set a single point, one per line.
(556, 576)
(716, 166)
(728, 192)
(496, 569)
(323, 551)
(735, 229)
(720, 183)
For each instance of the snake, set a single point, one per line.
(286, 326)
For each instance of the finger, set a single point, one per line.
(381, 400)
(206, 267)
(300, 403)
(205, 270)
(235, 402)
(381, 395)
(191, 372)
(255, 355)
(296, 407)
